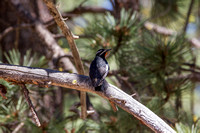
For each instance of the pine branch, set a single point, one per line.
(46, 77)
(70, 38)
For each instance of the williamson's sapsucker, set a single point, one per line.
(99, 69)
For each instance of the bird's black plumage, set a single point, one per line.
(99, 69)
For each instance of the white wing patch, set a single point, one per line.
(107, 67)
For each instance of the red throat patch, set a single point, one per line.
(106, 54)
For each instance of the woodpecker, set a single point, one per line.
(99, 68)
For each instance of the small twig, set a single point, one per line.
(194, 66)
(26, 95)
(81, 4)
(87, 9)
(74, 108)
(89, 112)
(18, 127)
(195, 42)
(134, 94)
(190, 70)
(113, 4)
(188, 15)
(58, 36)
(79, 11)
(114, 107)
(70, 38)
(159, 29)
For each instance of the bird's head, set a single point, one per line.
(103, 52)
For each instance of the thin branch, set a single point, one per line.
(59, 36)
(159, 29)
(168, 32)
(87, 9)
(194, 66)
(188, 15)
(46, 77)
(18, 127)
(70, 38)
(190, 70)
(34, 113)
(195, 42)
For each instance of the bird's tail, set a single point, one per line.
(102, 87)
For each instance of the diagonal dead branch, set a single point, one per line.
(188, 15)
(34, 113)
(19, 74)
(70, 38)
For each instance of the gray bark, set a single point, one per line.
(47, 77)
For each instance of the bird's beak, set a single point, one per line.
(107, 52)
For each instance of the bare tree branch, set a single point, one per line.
(70, 38)
(87, 9)
(168, 32)
(188, 15)
(46, 77)
(34, 113)
(18, 127)
(159, 29)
